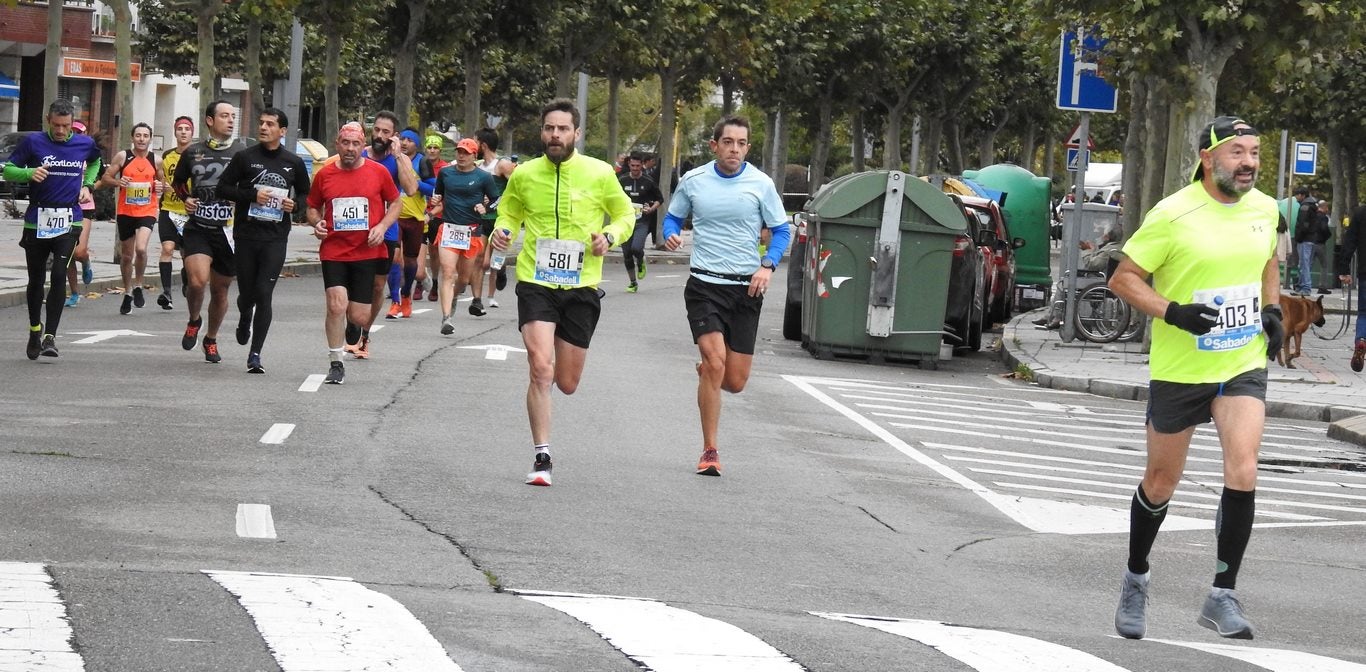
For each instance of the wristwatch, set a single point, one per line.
(610, 242)
(768, 263)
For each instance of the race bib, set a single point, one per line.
(1240, 316)
(351, 214)
(559, 261)
(227, 233)
(138, 193)
(274, 208)
(456, 236)
(179, 221)
(53, 222)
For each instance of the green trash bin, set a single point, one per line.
(877, 280)
(1028, 216)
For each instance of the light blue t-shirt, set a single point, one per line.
(728, 212)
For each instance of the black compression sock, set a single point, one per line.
(1233, 528)
(164, 267)
(1145, 519)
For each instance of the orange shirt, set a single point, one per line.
(138, 199)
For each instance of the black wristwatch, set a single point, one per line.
(768, 263)
(610, 242)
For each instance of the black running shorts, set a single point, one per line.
(213, 242)
(166, 228)
(729, 309)
(1172, 407)
(129, 225)
(574, 311)
(358, 277)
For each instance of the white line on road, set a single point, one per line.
(376, 327)
(1276, 660)
(98, 336)
(34, 631)
(277, 433)
(312, 382)
(668, 639)
(254, 521)
(985, 650)
(320, 623)
(419, 311)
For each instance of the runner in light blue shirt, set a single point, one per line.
(730, 202)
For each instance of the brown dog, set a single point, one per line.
(1298, 313)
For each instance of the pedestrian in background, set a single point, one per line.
(1354, 246)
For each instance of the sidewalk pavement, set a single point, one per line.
(301, 259)
(1322, 387)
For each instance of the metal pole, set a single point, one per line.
(1280, 170)
(294, 84)
(582, 102)
(1073, 237)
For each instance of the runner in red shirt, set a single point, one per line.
(352, 203)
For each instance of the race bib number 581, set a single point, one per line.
(559, 261)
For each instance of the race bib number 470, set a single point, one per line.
(53, 222)
(1240, 316)
(351, 214)
(559, 261)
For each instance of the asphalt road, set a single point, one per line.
(403, 535)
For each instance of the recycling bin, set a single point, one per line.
(1025, 200)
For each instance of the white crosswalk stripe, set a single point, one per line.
(1275, 660)
(35, 634)
(1068, 468)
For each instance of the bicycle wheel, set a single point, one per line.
(1101, 315)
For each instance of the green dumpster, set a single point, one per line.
(1026, 205)
(877, 282)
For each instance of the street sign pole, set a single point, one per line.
(1280, 170)
(1072, 240)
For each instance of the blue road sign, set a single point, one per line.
(1306, 158)
(1072, 155)
(1080, 86)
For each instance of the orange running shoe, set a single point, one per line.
(362, 351)
(710, 464)
(393, 311)
(407, 307)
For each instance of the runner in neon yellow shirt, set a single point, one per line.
(1210, 249)
(563, 199)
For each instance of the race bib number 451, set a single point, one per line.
(559, 261)
(1240, 316)
(351, 214)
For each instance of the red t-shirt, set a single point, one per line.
(352, 203)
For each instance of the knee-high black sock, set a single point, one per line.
(409, 275)
(165, 268)
(1232, 528)
(1145, 519)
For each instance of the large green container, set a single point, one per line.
(878, 281)
(1026, 205)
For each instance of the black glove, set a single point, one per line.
(1275, 331)
(1196, 318)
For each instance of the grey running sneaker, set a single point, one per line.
(336, 374)
(1223, 614)
(446, 327)
(49, 345)
(540, 470)
(1131, 618)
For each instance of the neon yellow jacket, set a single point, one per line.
(570, 201)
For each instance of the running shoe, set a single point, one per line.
(72, 300)
(336, 374)
(244, 330)
(477, 308)
(502, 280)
(446, 328)
(164, 300)
(127, 306)
(1131, 618)
(493, 303)
(138, 299)
(1359, 355)
(35, 343)
(87, 273)
(362, 351)
(352, 334)
(254, 363)
(632, 288)
(211, 351)
(394, 311)
(191, 334)
(49, 348)
(710, 464)
(406, 307)
(1223, 614)
(540, 470)
(640, 272)
(432, 296)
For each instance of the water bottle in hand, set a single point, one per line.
(499, 256)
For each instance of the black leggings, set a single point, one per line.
(258, 267)
(634, 249)
(37, 252)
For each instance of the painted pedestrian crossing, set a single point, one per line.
(1063, 466)
(327, 623)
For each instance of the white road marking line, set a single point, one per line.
(321, 623)
(99, 336)
(35, 633)
(667, 277)
(419, 311)
(277, 433)
(495, 351)
(1044, 442)
(668, 639)
(1189, 505)
(312, 382)
(254, 521)
(1276, 660)
(376, 327)
(985, 650)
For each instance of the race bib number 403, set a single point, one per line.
(53, 222)
(559, 261)
(351, 214)
(1240, 316)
